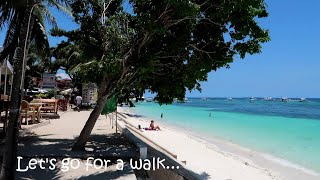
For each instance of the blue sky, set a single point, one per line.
(288, 65)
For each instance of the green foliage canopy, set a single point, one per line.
(166, 46)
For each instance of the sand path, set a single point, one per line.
(54, 141)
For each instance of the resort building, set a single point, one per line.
(89, 93)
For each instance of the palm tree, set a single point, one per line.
(21, 16)
(67, 56)
(37, 63)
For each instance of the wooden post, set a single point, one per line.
(11, 85)
(116, 121)
(0, 76)
(5, 79)
(112, 119)
(55, 90)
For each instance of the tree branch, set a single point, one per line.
(201, 50)
(144, 41)
(164, 12)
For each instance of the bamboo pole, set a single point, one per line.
(112, 119)
(0, 76)
(5, 79)
(116, 121)
(11, 86)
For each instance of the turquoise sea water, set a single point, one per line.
(287, 130)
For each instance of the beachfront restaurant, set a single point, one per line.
(6, 71)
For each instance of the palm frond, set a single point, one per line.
(40, 39)
(7, 12)
(11, 38)
(75, 54)
(46, 15)
(12, 31)
(80, 66)
(37, 13)
(60, 5)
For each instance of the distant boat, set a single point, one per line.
(149, 99)
(252, 99)
(302, 99)
(185, 100)
(268, 98)
(284, 99)
(204, 99)
(230, 99)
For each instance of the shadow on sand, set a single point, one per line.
(106, 147)
(111, 147)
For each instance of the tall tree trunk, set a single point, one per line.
(86, 131)
(10, 150)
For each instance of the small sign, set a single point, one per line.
(49, 80)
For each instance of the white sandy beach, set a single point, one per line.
(220, 160)
(217, 160)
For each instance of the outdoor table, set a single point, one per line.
(51, 105)
(37, 107)
(36, 104)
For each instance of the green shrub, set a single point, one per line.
(41, 95)
(50, 93)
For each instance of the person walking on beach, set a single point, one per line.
(78, 101)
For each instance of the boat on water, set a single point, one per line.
(230, 99)
(284, 99)
(252, 99)
(185, 100)
(268, 99)
(302, 99)
(149, 99)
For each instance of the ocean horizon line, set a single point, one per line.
(243, 97)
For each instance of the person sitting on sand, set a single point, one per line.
(153, 126)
